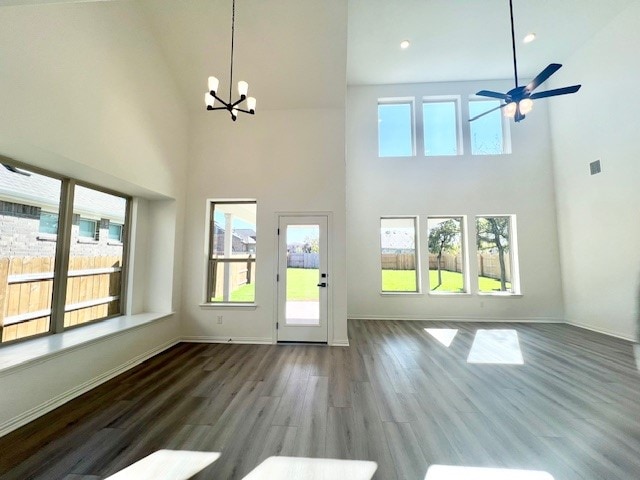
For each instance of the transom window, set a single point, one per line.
(395, 129)
(489, 133)
(440, 121)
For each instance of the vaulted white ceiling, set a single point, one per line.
(302, 53)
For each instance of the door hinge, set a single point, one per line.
(278, 231)
(277, 325)
(277, 277)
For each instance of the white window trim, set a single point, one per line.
(416, 219)
(207, 238)
(513, 259)
(398, 101)
(506, 131)
(457, 99)
(465, 256)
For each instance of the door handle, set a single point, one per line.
(323, 284)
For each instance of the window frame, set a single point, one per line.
(50, 214)
(505, 124)
(63, 249)
(464, 253)
(120, 230)
(513, 258)
(457, 101)
(209, 261)
(412, 121)
(416, 242)
(96, 229)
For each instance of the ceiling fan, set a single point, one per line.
(519, 100)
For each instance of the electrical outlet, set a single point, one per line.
(219, 319)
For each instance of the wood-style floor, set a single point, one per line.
(396, 396)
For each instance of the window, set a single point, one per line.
(46, 291)
(395, 129)
(48, 223)
(95, 269)
(497, 272)
(88, 228)
(232, 252)
(446, 255)
(115, 232)
(398, 257)
(490, 133)
(441, 128)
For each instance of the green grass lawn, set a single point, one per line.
(301, 285)
(405, 281)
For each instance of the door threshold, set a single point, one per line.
(299, 342)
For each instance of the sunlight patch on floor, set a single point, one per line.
(167, 465)
(446, 472)
(496, 347)
(289, 468)
(444, 335)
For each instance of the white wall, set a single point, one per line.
(85, 92)
(599, 216)
(290, 161)
(520, 184)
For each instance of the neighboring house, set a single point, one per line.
(29, 205)
(243, 240)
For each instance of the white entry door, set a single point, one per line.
(303, 280)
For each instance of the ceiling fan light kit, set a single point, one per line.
(232, 107)
(519, 100)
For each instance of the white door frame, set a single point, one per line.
(329, 215)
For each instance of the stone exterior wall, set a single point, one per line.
(20, 236)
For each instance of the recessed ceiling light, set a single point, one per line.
(404, 44)
(529, 37)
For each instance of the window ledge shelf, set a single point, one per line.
(450, 294)
(47, 237)
(90, 241)
(500, 295)
(40, 349)
(240, 306)
(392, 294)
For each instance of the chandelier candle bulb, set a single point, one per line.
(243, 88)
(251, 104)
(209, 100)
(213, 85)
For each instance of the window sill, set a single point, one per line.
(114, 243)
(384, 294)
(241, 306)
(91, 241)
(47, 237)
(29, 352)
(500, 294)
(450, 294)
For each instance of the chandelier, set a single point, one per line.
(212, 95)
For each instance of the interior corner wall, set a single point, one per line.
(85, 92)
(599, 215)
(520, 183)
(289, 161)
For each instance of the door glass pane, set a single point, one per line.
(95, 261)
(303, 275)
(29, 207)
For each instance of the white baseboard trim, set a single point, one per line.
(55, 402)
(221, 339)
(603, 331)
(442, 318)
(340, 343)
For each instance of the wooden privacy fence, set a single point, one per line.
(488, 263)
(26, 287)
(398, 261)
(242, 272)
(303, 260)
